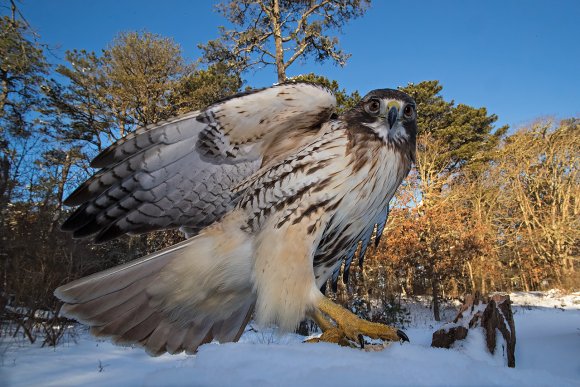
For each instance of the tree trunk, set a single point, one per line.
(435, 290)
(4, 181)
(278, 41)
(498, 315)
(60, 191)
(5, 90)
(471, 278)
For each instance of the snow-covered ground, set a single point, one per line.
(547, 354)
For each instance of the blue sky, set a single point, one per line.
(520, 59)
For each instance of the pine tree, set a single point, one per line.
(279, 32)
(22, 70)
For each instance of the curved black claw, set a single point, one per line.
(361, 341)
(403, 336)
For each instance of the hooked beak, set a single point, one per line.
(392, 116)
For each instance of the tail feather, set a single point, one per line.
(157, 340)
(195, 337)
(100, 310)
(171, 301)
(119, 325)
(141, 330)
(126, 312)
(175, 340)
(117, 278)
(232, 329)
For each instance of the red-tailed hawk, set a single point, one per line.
(275, 190)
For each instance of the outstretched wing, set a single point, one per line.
(180, 173)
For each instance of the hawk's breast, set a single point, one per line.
(365, 196)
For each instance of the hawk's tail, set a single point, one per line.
(173, 300)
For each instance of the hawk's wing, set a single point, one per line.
(180, 173)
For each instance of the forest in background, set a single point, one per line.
(485, 209)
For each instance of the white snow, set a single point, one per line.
(547, 354)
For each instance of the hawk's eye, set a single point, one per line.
(373, 106)
(408, 111)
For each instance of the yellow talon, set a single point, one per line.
(349, 327)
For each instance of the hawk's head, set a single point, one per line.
(390, 115)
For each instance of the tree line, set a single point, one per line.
(484, 209)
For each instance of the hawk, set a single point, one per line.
(274, 190)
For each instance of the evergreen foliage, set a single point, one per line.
(468, 132)
(344, 100)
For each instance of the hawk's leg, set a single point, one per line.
(324, 323)
(349, 327)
